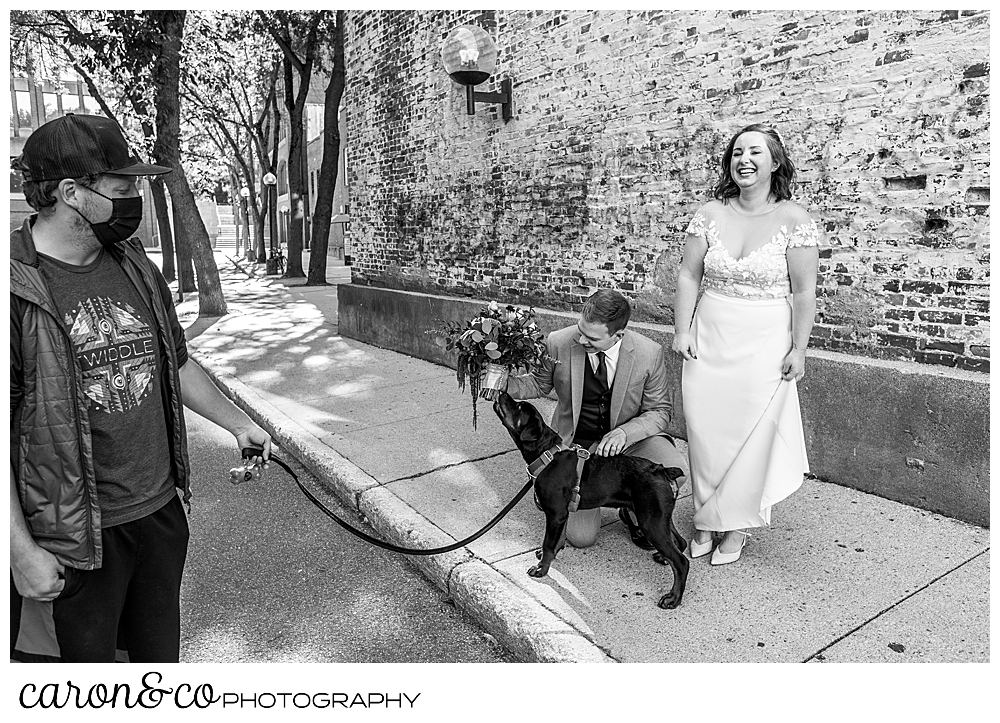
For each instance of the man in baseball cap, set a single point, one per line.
(75, 146)
(99, 374)
(82, 148)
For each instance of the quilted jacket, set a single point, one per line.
(50, 442)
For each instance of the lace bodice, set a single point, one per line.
(762, 274)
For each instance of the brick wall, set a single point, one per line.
(620, 118)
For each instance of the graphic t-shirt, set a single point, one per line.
(118, 352)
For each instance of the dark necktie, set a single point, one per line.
(602, 370)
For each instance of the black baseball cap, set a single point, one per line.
(75, 146)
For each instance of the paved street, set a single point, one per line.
(271, 579)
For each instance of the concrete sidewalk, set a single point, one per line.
(840, 576)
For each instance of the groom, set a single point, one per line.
(611, 387)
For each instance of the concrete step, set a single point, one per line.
(338, 274)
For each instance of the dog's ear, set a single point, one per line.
(674, 472)
(532, 431)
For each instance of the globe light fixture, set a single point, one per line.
(470, 57)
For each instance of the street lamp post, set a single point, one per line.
(248, 250)
(270, 181)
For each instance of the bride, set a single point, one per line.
(754, 252)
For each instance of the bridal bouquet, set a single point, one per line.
(491, 345)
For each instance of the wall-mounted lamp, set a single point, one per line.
(470, 57)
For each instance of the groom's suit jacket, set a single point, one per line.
(640, 404)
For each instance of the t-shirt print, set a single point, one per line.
(116, 353)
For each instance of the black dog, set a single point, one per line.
(620, 481)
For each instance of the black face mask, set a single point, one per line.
(126, 215)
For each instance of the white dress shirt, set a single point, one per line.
(610, 361)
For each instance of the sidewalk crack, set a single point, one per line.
(389, 422)
(448, 466)
(896, 604)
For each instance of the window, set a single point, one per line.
(51, 101)
(23, 108)
(282, 179)
(314, 121)
(73, 103)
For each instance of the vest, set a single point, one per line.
(595, 410)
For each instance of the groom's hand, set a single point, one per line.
(612, 444)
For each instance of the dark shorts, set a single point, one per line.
(132, 602)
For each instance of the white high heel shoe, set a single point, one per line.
(700, 549)
(724, 558)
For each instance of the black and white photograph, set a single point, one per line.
(411, 337)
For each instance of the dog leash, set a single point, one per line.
(245, 474)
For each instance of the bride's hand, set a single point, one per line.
(682, 345)
(794, 365)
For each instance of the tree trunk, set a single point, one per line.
(166, 79)
(158, 191)
(331, 157)
(272, 217)
(235, 202)
(296, 161)
(182, 245)
(254, 221)
(265, 141)
(271, 192)
(260, 251)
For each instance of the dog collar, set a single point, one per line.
(543, 460)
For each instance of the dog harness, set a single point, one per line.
(543, 460)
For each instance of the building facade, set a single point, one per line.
(620, 118)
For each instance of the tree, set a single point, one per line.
(298, 36)
(79, 37)
(331, 157)
(232, 90)
(168, 26)
(117, 53)
(47, 32)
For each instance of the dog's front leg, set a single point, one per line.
(555, 536)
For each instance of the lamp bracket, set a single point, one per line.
(504, 98)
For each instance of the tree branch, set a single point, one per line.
(282, 39)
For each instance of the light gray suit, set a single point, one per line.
(640, 404)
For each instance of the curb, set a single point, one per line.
(532, 632)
